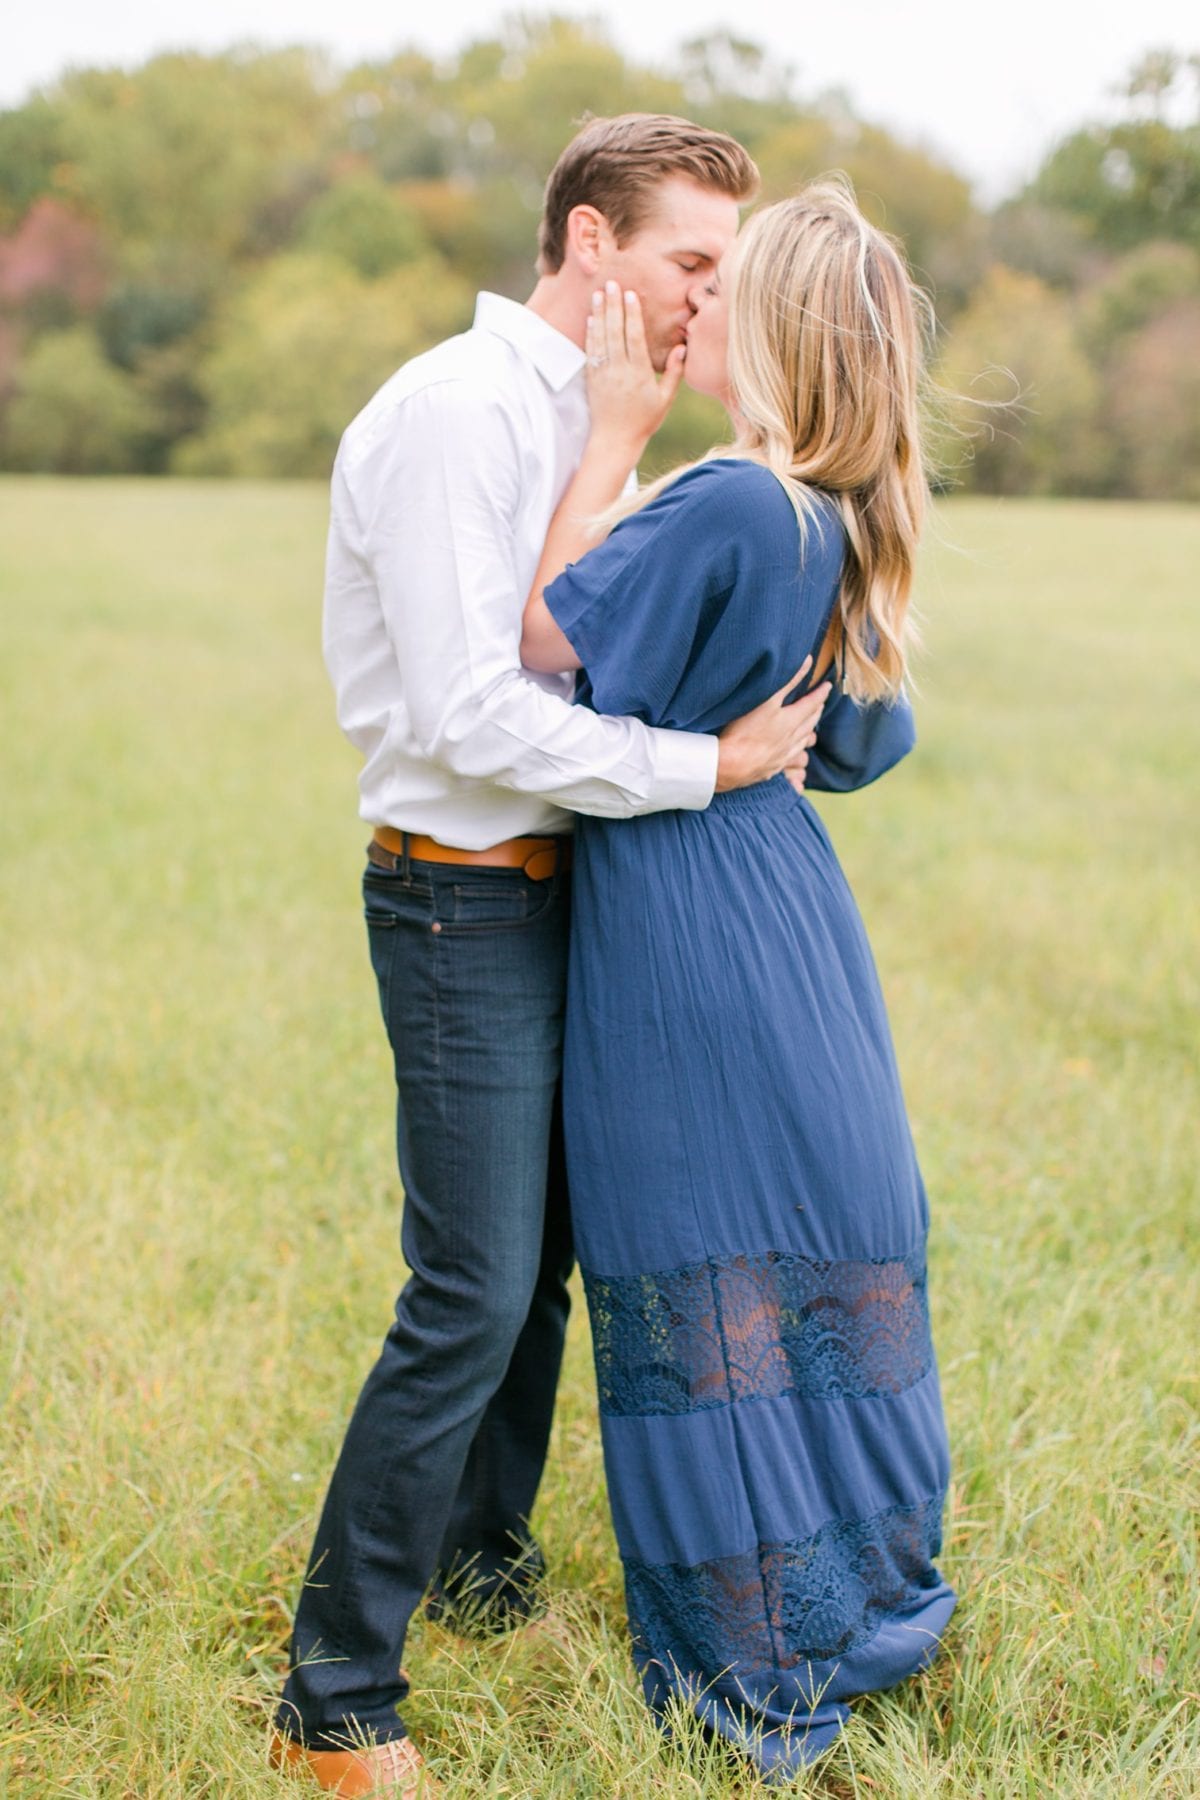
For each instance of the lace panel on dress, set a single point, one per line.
(781, 1605)
(757, 1327)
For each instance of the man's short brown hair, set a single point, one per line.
(616, 164)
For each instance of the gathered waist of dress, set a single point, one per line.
(775, 795)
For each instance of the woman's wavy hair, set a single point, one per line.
(827, 346)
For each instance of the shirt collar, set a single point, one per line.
(556, 359)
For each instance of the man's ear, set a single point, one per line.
(589, 239)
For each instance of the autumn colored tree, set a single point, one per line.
(1140, 323)
(1026, 396)
(54, 267)
(230, 251)
(1155, 406)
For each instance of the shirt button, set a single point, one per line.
(436, 926)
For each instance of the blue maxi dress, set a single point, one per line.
(749, 1215)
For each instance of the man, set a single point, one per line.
(442, 494)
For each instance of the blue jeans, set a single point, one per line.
(441, 1461)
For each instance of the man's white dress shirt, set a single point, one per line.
(443, 491)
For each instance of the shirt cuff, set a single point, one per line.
(685, 770)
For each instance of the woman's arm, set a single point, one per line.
(628, 403)
(855, 745)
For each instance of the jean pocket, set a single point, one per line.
(488, 905)
(379, 918)
(390, 900)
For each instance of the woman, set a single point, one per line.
(748, 1210)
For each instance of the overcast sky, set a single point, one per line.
(991, 86)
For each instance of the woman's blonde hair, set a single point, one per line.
(827, 339)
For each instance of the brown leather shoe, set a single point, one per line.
(393, 1770)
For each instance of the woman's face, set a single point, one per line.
(707, 366)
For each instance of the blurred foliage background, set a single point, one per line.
(208, 263)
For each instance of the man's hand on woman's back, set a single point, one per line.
(774, 737)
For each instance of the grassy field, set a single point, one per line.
(200, 1206)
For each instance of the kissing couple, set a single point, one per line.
(618, 961)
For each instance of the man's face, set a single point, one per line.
(670, 258)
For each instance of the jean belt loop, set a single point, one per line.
(406, 858)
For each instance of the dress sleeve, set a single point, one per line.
(698, 607)
(857, 744)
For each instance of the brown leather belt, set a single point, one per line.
(539, 857)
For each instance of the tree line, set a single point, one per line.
(208, 263)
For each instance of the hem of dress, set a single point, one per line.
(780, 1751)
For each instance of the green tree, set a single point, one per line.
(1045, 241)
(256, 241)
(921, 200)
(521, 95)
(1135, 289)
(365, 223)
(73, 413)
(514, 101)
(142, 316)
(196, 151)
(694, 424)
(397, 115)
(460, 224)
(474, 141)
(1137, 177)
(301, 350)
(736, 86)
(1026, 397)
(167, 377)
(30, 150)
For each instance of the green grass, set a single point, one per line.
(200, 1206)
